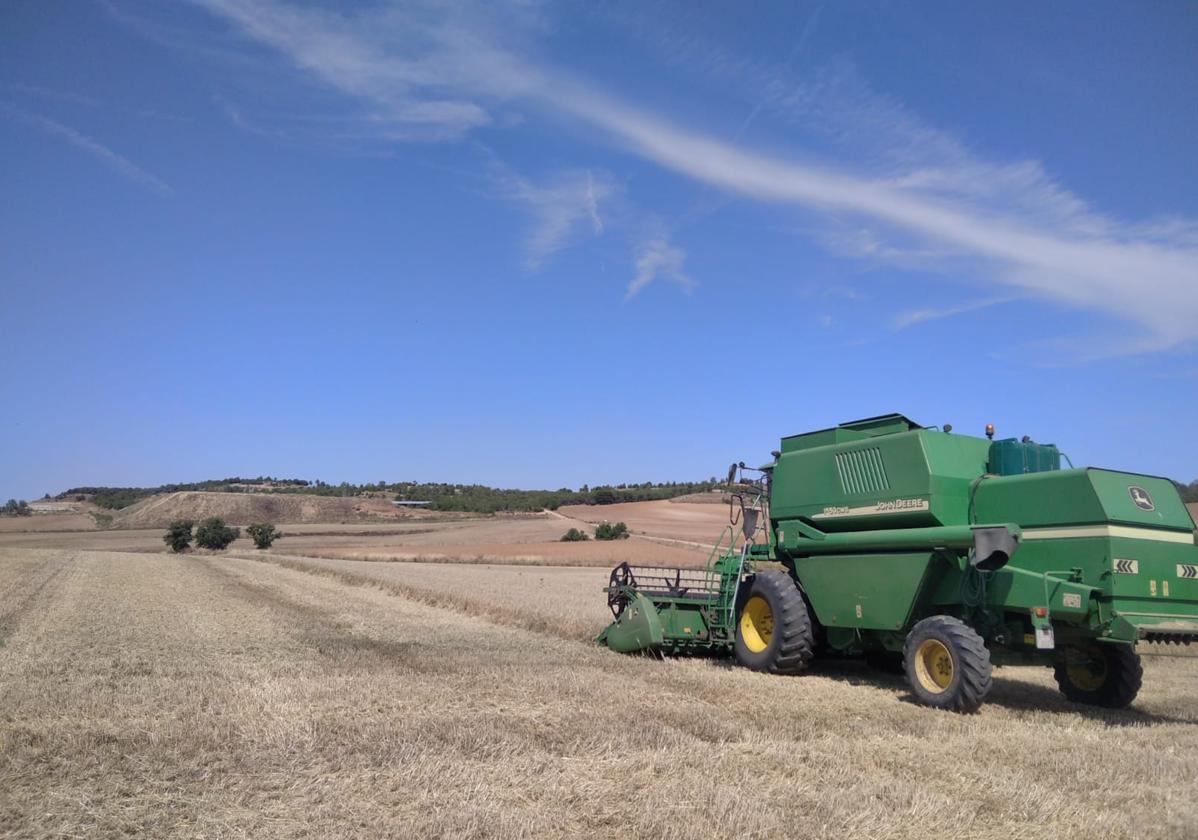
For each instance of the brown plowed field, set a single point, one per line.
(695, 522)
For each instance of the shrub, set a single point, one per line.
(177, 536)
(263, 534)
(608, 531)
(575, 535)
(215, 534)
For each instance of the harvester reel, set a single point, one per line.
(618, 586)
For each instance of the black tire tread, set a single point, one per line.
(1125, 676)
(792, 624)
(972, 662)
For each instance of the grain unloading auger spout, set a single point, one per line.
(673, 610)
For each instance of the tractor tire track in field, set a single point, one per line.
(20, 598)
(310, 625)
(577, 630)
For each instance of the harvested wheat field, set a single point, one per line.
(167, 696)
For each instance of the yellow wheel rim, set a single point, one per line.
(1088, 674)
(934, 666)
(757, 624)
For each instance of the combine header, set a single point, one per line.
(931, 553)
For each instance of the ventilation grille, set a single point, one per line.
(861, 471)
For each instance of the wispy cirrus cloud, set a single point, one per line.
(658, 258)
(426, 72)
(562, 206)
(917, 316)
(442, 70)
(114, 161)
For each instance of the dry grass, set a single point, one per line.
(164, 696)
(567, 602)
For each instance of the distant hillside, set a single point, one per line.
(473, 498)
(245, 508)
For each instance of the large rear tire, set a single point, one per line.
(1107, 675)
(773, 628)
(947, 664)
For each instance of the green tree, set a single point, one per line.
(215, 534)
(575, 535)
(263, 534)
(178, 535)
(608, 531)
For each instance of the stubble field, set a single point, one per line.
(277, 694)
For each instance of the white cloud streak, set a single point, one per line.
(419, 69)
(562, 207)
(105, 155)
(658, 258)
(1102, 270)
(1010, 222)
(917, 316)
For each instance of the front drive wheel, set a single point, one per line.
(1107, 675)
(947, 664)
(773, 630)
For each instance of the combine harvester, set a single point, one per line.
(933, 553)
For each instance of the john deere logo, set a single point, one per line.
(1140, 496)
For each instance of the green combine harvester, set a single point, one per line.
(934, 553)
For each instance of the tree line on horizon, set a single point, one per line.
(471, 498)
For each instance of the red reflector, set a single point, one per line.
(1040, 612)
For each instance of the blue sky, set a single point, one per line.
(543, 245)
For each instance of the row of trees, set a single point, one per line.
(474, 498)
(1189, 492)
(214, 534)
(115, 498)
(482, 499)
(14, 507)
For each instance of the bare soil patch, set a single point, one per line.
(245, 508)
(702, 523)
